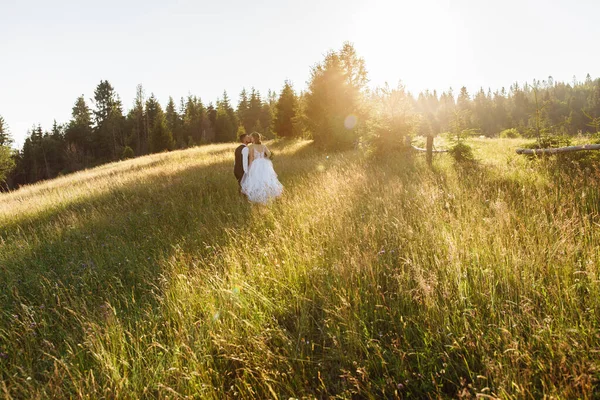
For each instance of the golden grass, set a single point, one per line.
(151, 278)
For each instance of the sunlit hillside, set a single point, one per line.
(370, 278)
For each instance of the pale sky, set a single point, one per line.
(51, 52)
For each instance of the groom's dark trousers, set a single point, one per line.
(238, 168)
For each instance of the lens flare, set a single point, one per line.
(350, 121)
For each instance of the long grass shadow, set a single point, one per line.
(108, 251)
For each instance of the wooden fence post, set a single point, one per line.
(429, 149)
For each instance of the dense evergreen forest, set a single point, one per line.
(336, 110)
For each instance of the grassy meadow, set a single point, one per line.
(370, 278)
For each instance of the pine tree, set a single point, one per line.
(520, 109)
(225, 122)
(483, 113)
(78, 135)
(254, 110)
(139, 132)
(108, 117)
(285, 111)
(446, 110)
(210, 124)
(393, 120)
(463, 101)
(242, 109)
(7, 163)
(55, 145)
(161, 138)
(335, 93)
(153, 109)
(5, 139)
(194, 117)
(266, 119)
(500, 111)
(174, 123)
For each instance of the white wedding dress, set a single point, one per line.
(260, 184)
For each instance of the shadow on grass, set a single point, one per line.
(60, 268)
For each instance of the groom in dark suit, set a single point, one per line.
(241, 158)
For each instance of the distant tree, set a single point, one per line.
(137, 123)
(174, 123)
(7, 163)
(78, 135)
(108, 117)
(254, 110)
(500, 111)
(334, 101)
(161, 138)
(153, 109)
(211, 113)
(32, 156)
(55, 150)
(194, 122)
(393, 120)
(520, 108)
(446, 109)
(127, 153)
(226, 123)
(285, 111)
(464, 106)
(538, 121)
(483, 117)
(576, 104)
(266, 119)
(242, 110)
(5, 139)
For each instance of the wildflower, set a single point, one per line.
(3, 355)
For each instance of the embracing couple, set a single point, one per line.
(254, 170)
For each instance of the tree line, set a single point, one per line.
(554, 108)
(337, 110)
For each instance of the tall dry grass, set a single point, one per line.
(151, 278)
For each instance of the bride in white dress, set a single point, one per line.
(260, 184)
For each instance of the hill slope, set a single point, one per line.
(372, 278)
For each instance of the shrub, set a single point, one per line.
(511, 133)
(392, 122)
(462, 153)
(127, 153)
(549, 141)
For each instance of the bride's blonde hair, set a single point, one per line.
(257, 137)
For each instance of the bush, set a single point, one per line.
(549, 142)
(127, 153)
(462, 153)
(381, 139)
(392, 123)
(511, 133)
